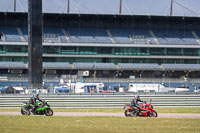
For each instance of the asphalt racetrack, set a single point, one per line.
(81, 114)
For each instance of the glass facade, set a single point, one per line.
(122, 51)
(110, 54)
(134, 51)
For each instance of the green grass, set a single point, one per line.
(178, 110)
(118, 110)
(43, 124)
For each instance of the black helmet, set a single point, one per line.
(137, 97)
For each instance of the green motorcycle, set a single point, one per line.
(41, 108)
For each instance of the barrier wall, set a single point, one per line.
(103, 101)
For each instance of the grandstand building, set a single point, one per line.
(104, 46)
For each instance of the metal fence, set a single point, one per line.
(74, 78)
(102, 101)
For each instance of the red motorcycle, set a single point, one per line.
(145, 110)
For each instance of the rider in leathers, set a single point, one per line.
(135, 104)
(33, 100)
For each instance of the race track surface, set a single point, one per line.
(79, 114)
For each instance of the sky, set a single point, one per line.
(130, 7)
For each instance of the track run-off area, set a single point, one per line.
(82, 114)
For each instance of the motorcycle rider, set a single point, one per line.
(135, 105)
(33, 100)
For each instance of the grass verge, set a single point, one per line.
(40, 124)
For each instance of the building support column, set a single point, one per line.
(35, 30)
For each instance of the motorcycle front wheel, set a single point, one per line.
(154, 114)
(24, 111)
(48, 112)
(129, 113)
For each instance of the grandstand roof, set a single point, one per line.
(12, 65)
(105, 66)
(84, 66)
(137, 66)
(181, 67)
(56, 65)
(95, 66)
(130, 7)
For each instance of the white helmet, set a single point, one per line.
(36, 95)
(137, 97)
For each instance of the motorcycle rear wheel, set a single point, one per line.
(129, 113)
(48, 112)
